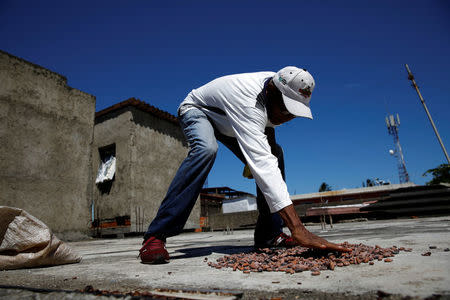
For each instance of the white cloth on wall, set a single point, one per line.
(106, 170)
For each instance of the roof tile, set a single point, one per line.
(141, 105)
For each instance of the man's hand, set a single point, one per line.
(304, 237)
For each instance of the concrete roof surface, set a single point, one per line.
(112, 264)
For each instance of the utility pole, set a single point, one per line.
(411, 77)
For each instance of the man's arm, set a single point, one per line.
(270, 133)
(292, 220)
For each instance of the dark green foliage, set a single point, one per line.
(440, 174)
(369, 182)
(324, 187)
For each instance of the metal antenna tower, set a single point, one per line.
(392, 125)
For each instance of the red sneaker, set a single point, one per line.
(154, 252)
(284, 240)
(280, 241)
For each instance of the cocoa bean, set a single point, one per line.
(299, 259)
(290, 271)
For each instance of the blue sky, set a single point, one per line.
(356, 50)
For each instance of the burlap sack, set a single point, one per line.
(27, 242)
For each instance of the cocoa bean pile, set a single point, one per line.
(299, 259)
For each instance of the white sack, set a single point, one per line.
(27, 242)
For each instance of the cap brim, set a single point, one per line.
(297, 108)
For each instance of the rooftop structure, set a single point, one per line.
(356, 194)
(147, 146)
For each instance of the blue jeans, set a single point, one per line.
(191, 175)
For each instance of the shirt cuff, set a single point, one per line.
(276, 207)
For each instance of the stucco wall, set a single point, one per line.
(160, 148)
(149, 151)
(238, 220)
(46, 137)
(116, 129)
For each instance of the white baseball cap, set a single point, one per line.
(296, 86)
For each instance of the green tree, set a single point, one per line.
(324, 187)
(440, 174)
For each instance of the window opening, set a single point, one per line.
(107, 169)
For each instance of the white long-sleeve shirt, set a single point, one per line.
(233, 105)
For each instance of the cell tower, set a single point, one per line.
(392, 126)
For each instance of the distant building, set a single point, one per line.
(347, 203)
(343, 204)
(226, 200)
(238, 204)
(147, 146)
(345, 196)
(223, 207)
